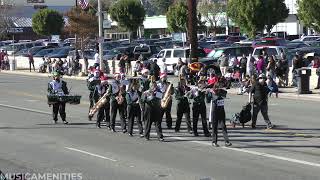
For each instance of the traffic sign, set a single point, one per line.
(106, 24)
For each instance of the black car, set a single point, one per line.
(60, 52)
(211, 61)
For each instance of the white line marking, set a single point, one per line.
(254, 153)
(181, 138)
(91, 154)
(26, 109)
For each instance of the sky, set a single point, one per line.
(48, 2)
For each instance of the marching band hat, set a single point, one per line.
(56, 74)
(262, 76)
(163, 75)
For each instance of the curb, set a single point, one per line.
(41, 75)
(293, 96)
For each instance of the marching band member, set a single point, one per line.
(117, 95)
(199, 107)
(163, 85)
(183, 106)
(104, 111)
(92, 82)
(133, 106)
(58, 87)
(218, 115)
(152, 100)
(144, 81)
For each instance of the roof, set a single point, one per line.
(28, 11)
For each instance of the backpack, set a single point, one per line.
(243, 117)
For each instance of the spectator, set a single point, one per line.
(137, 68)
(250, 66)
(316, 64)
(260, 65)
(2, 53)
(122, 64)
(128, 64)
(213, 79)
(163, 67)
(97, 58)
(265, 56)
(282, 71)
(272, 85)
(271, 67)
(155, 69)
(243, 66)
(223, 63)
(183, 68)
(297, 64)
(31, 61)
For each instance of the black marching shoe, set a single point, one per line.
(98, 125)
(113, 129)
(147, 138)
(55, 121)
(141, 135)
(65, 122)
(124, 131)
(215, 144)
(228, 144)
(130, 134)
(195, 134)
(161, 139)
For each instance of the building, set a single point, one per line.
(292, 25)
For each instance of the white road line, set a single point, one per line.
(91, 154)
(180, 138)
(255, 153)
(26, 109)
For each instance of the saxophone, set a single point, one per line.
(166, 97)
(120, 98)
(103, 100)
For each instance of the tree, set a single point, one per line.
(177, 17)
(47, 22)
(211, 11)
(129, 14)
(161, 6)
(308, 13)
(256, 15)
(82, 23)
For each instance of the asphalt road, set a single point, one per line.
(31, 143)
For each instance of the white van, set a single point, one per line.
(172, 57)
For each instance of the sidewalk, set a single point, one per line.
(286, 93)
(291, 93)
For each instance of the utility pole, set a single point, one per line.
(192, 28)
(101, 39)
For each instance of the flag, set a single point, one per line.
(83, 4)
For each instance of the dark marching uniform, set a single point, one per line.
(163, 87)
(104, 111)
(113, 92)
(199, 108)
(58, 87)
(218, 116)
(134, 110)
(92, 82)
(152, 100)
(144, 86)
(183, 107)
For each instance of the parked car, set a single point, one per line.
(44, 52)
(15, 47)
(271, 51)
(233, 39)
(296, 44)
(172, 57)
(269, 41)
(60, 52)
(309, 38)
(211, 60)
(52, 44)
